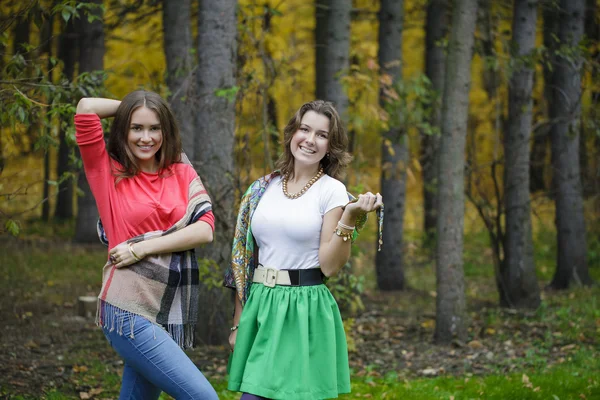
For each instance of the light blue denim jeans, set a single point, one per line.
(155, 363)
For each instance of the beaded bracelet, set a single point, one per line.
(342, 225)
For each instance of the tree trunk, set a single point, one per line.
(333, 51)
(46, 48)
(21, 34)
(215, 144)
(178, 46)
(590, 178)
(451, 317)
(539, 147)
(67, 52)
(91, 58)
(21, 39)
(394, 152)
(435, 61)
(565, 109)
(517, 281)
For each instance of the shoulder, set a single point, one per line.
(183, 170)
(264, 181)
(332, 184)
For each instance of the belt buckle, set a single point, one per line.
(270, 277)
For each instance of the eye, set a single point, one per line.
(323, 135)
(136, 128)
(155, 128)
(303, 129)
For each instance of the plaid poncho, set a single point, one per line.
(162, 288)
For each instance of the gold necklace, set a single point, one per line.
(304, 189)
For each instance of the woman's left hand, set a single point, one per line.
(120, 256)
(365, 203)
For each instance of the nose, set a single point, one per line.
(310, 138)
(146, 135)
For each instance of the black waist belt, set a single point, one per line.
(297, 277)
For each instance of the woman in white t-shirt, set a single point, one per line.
(294, 226)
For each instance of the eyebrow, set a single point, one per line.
(302, 123)
(153, 125)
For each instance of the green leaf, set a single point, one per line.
(21, 114)
(12, 227)
(66, 14)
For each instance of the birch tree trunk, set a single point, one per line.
(394, 152)
(178, 47)
(214, 142)
(451, 317)
(517, 282)
(565, 109)
(332, 37)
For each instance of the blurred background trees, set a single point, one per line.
(486, 124)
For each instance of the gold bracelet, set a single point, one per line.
(344, 235)
(135, 256)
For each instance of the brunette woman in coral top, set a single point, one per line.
(154, 211)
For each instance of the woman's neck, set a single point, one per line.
(304, 173)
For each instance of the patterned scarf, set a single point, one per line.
(243, 255)
(162, 288)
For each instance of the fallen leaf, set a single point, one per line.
(428, 324)
(526, 382)
(429, 372)
(84, 395)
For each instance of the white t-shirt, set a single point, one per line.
(288, 232)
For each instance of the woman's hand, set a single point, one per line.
(232, 337)
(365, 203)
(121, 256)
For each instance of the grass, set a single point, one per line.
(559, 346)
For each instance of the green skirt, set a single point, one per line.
(290, 345)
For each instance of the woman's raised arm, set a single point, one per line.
(104, 108)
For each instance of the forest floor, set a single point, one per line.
(48, 351)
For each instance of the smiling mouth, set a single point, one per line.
(307, 151)
(145, 147)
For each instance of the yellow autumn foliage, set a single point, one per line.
(280, 64)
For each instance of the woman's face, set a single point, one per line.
(145, 138)
(310, 142)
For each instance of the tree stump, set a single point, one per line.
(87, 306)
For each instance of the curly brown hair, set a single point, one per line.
(338, 158)
(170, 150)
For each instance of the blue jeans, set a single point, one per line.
(155, 363)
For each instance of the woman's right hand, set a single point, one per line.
(232, 337)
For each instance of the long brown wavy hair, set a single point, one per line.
(170, 150)
(338, 159)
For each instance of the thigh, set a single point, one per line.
(135, 387)
(155, 356)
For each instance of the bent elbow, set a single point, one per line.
(83, 106)
(209, 236)
(328, 272)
